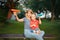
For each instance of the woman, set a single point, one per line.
(27, 29)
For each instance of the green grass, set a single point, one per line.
(51, 27)
(12, 28)
(15, 27)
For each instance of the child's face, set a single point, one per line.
(33, 17)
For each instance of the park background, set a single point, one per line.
(50, 26)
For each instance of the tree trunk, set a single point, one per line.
(52, 10)
(53, 16)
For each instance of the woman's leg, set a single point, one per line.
(40, 36)
(42, 33)
(29, 34)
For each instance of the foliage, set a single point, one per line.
(35, 4)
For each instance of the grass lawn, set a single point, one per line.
(15, 27)
(12, 28)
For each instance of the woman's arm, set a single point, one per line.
(20, 20)
(39, 20)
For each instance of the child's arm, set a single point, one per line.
(31, 25)
(39, 20)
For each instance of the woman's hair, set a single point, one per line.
(29, 11)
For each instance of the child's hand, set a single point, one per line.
(34, 25)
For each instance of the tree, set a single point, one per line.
(35, 4)
(52, 9)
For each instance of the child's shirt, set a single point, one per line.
(34, 24)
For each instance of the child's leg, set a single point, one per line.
(37, 30)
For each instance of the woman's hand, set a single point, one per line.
(15, 13)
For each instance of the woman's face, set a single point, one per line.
(29, 14)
